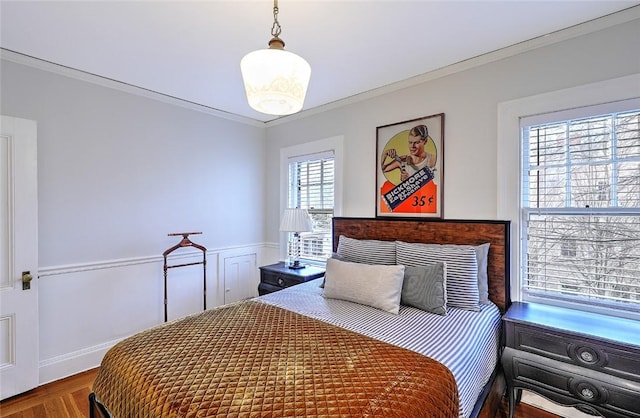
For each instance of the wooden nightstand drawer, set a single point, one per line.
(278, 276)
(573, 385)
(264, 288)
(581, 351)
(574, 358)
(278, 279)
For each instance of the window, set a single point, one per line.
(311, 187)
(580, 210)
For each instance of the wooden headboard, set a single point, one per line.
(436, 231)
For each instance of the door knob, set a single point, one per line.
(26, 280)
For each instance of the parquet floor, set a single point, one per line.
(68, 398)
(524, 410)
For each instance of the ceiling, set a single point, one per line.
(191, 50)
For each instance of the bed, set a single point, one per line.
(298, 353)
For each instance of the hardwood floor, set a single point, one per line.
(524, 410)
(68, 398)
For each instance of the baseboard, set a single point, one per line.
(68, 364)
(86, 352)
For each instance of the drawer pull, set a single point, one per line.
(280, 281)
(587, 356)
(587, 409)
(587, 393)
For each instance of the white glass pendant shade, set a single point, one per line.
(275, 80)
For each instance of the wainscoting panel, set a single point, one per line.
(87, 308)
(240, 277)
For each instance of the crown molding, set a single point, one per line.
(594, 25)
(30, 61)
(623, 16)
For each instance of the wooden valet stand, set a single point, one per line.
(185, 242)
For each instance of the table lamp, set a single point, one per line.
(295, 220)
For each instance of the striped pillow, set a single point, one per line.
(462, 269)
(367, 251)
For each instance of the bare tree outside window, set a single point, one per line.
(581, 210)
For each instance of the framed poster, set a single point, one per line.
(410, 168)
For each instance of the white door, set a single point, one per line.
(18, 257)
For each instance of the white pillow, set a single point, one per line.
(379, 286)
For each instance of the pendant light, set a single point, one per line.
(275, 80)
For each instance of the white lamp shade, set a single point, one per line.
(275, 80)
(296, 220)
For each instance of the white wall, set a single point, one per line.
(470, 101)
(117, 172)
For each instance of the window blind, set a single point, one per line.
(311, 187)
(581, 210)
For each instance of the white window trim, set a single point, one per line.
(508, 146)
(333, 144)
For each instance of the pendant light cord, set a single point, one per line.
(276, 30)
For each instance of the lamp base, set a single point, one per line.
(295, 265)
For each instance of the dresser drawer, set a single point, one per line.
(576, 350)
(572, 385)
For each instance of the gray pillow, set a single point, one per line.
(425, 287)
(462, 269)
(482, 256)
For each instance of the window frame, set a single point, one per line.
(332, 144)
(571, 100)
(321, 158)
(544, 205)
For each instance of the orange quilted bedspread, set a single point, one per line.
(255, 360)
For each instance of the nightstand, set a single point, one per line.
(580, 359)
(278, 276)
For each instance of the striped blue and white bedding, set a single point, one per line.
(465, 341)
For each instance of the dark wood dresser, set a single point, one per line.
(278, 276)
(580, 359)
